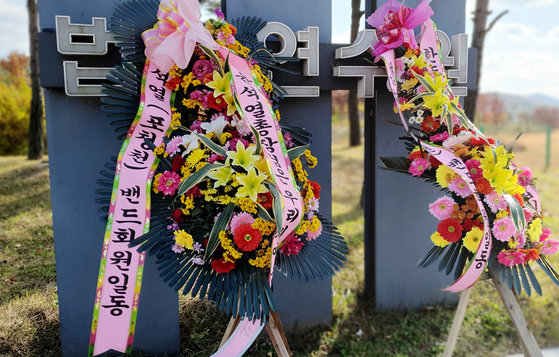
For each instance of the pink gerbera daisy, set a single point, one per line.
(473, 169)
(442, 208)
(418, 167)
(169, 182)
(173, 145)
(503, 229)
(314, 235)
(550, 247)
(459, 187)
(525, 177)
(546, 232)
(510, 258)
(439, 137)
(239, 219)
(495, 202)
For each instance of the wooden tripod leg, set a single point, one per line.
(457, 323)
(277, 336)
(233, 323)
(527, 341)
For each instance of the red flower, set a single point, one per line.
(483, 186)
(434, 162)
(291, 245)
(450, 229)
(429, 124)
(315, 188)
(468, 224)
(218, 103)
(221, 266)
(480, 141)
(417, 70)
(177, 163)
(247, 238)
(418, 154)
(530, 254)
(455, 131)
(519, 199)
(177, 216)
(173, 83)
(265, 199)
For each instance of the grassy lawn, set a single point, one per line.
(29, 308)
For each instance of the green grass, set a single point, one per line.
(29, 323)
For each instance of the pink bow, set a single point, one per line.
(395, 22)
(172, 40)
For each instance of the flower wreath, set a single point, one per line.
(490, 213)
(214, 205)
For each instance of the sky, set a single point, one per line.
(521, 53)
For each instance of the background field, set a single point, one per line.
(29, 308)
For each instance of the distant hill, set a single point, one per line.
(517, 104)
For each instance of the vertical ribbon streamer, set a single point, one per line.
(120, 274)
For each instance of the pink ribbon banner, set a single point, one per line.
(120, 274)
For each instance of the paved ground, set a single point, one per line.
(548, 352)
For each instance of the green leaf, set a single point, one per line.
(220, 225)
(423, 81)
(196, 177)
(447, 118)
(295, 152)
(278, 207)
(460, 113)
(516, 212)
(210, 144)
(257, 138)
(519, 135)
(263, 213)
(210, 53)
(226, 65)
(420, 96)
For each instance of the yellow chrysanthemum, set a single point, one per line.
(501, 214)
(196, 156)
(410, 83)
(184, 239)
(472, 239)
(156, 183)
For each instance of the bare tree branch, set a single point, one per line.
(495, 20)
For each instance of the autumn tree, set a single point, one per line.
(545, 115)
(491, 109)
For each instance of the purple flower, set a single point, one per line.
(200, 97)
(288, 140)
(201, 68)
(197, 126)
(198, 248)
(219, 14)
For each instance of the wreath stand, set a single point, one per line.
(527, 341)
(274, 329)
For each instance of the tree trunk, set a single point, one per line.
(478, 40)
(36, 113)
(352, 102)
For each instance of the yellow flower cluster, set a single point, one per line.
(263, 79)
(188, 202)
(303, 227)
(159, 150)
(231, 253)
(156, 183)
(195, 157)
(309, 193)
(311, 160)
(188, 80)
(315, 225)
(410, 83)
(246, 204)
(240, 49)
(184, 239)
(404, 107)
(208, 194)
(263, 256)
(175, 118)
(190, 103)
(495, 171)
(266, 228)
(278, 117)
(299, 171)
